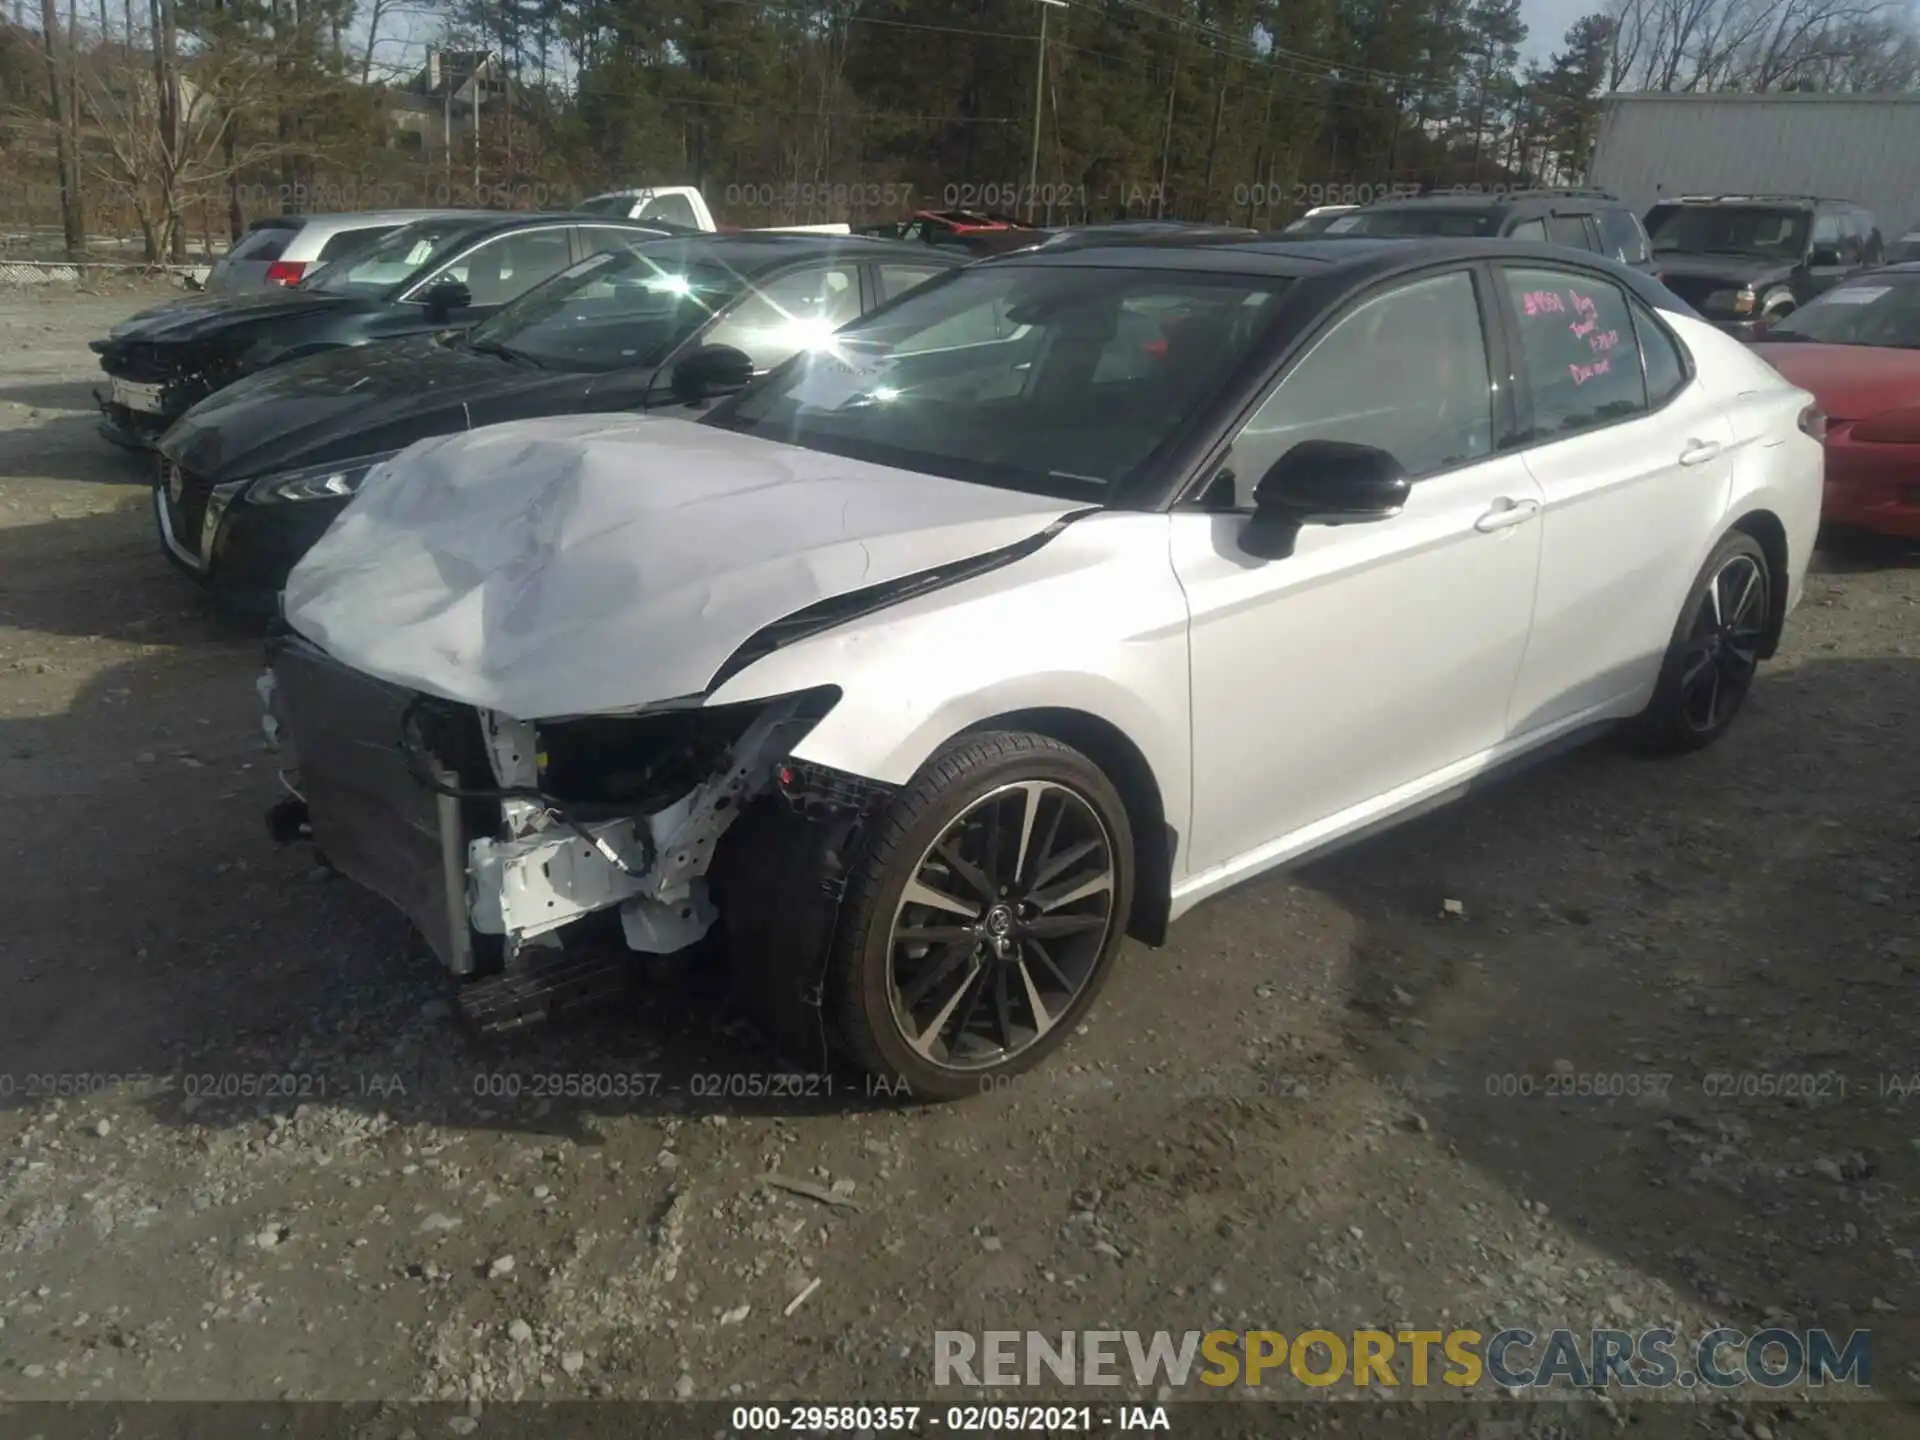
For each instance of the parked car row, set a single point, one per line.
(909, 628)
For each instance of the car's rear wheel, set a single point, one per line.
(1715, 651)
(983, 917)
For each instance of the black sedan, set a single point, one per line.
(447, 272)
(252, 476)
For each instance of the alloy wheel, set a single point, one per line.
(1723, 650)
(1001, 926)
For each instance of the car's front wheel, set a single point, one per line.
(984, 915)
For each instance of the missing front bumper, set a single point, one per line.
(473, 873)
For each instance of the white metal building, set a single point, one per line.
(1864, 148)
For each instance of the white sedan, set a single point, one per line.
(1029, 612)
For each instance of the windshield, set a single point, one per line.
(1874, 310)
(625, 307)
(1768, 232)
(1906, 248)
(398, 256)
(1421, 221)
(1055, 379)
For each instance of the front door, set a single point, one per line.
(1331, 686)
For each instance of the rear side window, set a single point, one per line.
(898, 279)
(1578, 349)
(1622, 237)
(1665, 369)
(349, 241)
(1569, 230)
(264, 243)
(673, 209)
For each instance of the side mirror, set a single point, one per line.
(1822, 256)
(710, 371)
(1322, 482)
(443, 297)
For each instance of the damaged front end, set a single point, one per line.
(499, 837)
(150, 384)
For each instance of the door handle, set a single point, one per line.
(1507, 513)
(1698, 452)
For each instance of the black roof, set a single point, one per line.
(1355, 259)
(752, 251)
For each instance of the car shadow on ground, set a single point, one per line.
(99, 575)
(53, 395)
(1706, 1069)
(68, 445)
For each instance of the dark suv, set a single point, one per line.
(1744, 260)
(1593, 220)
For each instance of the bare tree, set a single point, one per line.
(1755, 45)
(66, 130)
(164, 125)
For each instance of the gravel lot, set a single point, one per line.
(1322, 1106)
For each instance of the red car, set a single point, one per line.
(1857, 349)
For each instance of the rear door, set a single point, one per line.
(244, 268)
(1634, 465)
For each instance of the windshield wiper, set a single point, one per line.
(506, 352)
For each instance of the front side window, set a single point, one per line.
(625, 307)
(507, 266)
(789, 313)
(1405, 372)
(1765, 232)
(1826, 237)
(1533, 230)
(391, 261)
(1055, 379)
(1577, 348)
(1879, 310)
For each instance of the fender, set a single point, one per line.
(1094, 621)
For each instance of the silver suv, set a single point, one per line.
(284, 249)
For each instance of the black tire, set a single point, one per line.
(1714, 653)
(1035, 962)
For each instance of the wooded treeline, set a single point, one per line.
(177, 118)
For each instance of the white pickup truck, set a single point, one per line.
(678, 205)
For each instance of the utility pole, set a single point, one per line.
(1166, 137)
(1039, 99)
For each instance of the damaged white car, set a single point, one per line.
(1027, 613)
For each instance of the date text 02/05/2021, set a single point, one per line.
(816, 1419)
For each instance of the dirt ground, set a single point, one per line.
(1324, 1104)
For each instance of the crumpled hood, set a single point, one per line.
(584, 565)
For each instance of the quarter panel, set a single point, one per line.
(1093, 621)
